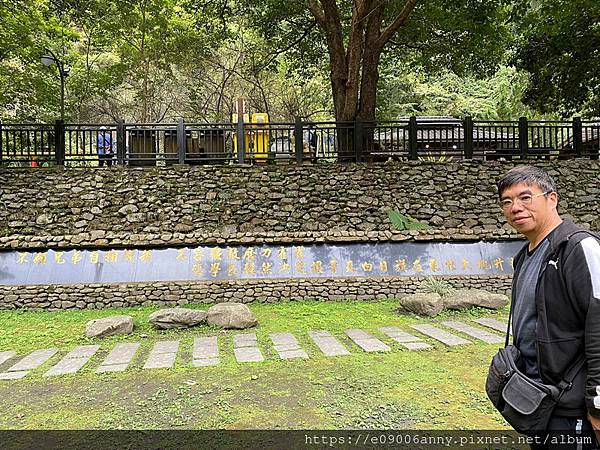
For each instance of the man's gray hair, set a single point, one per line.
(529, 176)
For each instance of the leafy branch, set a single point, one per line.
(402, 222)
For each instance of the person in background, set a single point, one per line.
(309, 139)
(104, 145)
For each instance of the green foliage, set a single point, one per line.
(402, 222)
(409, 92)
(128, 59)
(437, 159)
(156, 60)
(558, 45)
(436, 286)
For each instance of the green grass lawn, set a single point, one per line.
(441, 388)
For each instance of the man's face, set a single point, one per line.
(529, 211)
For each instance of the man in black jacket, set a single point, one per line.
(555, 299)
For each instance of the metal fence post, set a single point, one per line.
(468, 133)
(359, 129)
(59, 142)
(577, 137)
(120, 142)
(181, 141)
(412, 138)
(523, 137)
(240, 138)
(298, 141)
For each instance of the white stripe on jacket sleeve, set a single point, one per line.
(591, 250)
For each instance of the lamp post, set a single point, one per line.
(63, 71)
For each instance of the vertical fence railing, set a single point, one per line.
(493, 140)
(590, 142)
(298, 142)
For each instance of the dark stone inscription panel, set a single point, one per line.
(266, 261)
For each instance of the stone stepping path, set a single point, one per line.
(30, 362)
(406, 340)
(5, 356)
(73, 361)
(329, 345)
(245, 348)
(493, 324)
(119, 358)
(162, 355)
(477, 333)
(287, 346)
(366, 341)
(440, 335)
(206, 352)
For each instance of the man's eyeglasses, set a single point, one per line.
(523, 199)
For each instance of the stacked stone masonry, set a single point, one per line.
(98, 296)
(119, 207)
(191, 205)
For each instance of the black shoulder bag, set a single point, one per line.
(526, 404)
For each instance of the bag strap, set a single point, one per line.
(567, 382)
(510, 311)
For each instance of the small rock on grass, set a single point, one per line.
(109, 326)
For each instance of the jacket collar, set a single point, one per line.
(561, 234)
(557, 236)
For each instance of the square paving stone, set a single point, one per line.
(205, 348)
(372, 345)
(160, 361)
(121, 354)
(205, 353)
(66, 366)
(292, 354)
(13, 375)
(441, 335)
(34, 360)
(329, 345)
(206, 362)
(286, 347)
(399, 336)
(493, 324)
(5, 356)
(83, 351)
(283, 338)
(477, 333)
(355, 333)
(112, 368)
(248, 354)
(166, 347)
(245, 340)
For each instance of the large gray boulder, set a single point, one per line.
(422, 303)
(467, 298)
(177, 318)
(109, 326)
(231, 315)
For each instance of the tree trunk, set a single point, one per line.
(370, 66)
(354, 71)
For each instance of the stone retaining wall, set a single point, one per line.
(97, 296)
(121, 207)
(132, 207)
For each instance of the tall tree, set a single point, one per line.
(464, 34)
(559, 42)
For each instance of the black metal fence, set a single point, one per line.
(274, 143)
